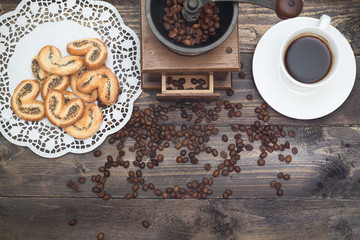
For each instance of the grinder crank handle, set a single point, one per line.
(284, 8)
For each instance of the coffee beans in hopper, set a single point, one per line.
(200, 32)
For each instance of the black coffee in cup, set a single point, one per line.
(308, 58)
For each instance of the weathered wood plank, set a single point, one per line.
(24, 218)
(327, 165)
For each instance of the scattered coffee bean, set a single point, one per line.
(261, 162)
(280, 175)
(145, 224)
(81, 180)
(291, 133)
(279, 192)
(106, 197)
(75, 187)
(241, 75)
(229, 92)
(273, 183)
(249, 97)
(286, 177)
(73, 222)
(207, 167)
(97, 153)
(294, 150)
(288, 159)
(100, 236)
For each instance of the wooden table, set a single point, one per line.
(320, 201)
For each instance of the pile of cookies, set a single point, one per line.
(88, 77)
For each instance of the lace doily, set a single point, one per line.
(36, 23)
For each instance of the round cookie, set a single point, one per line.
(39, 74)
(95, 51)
(23, 101)
(50, 61)
(88, 125)
(61, 114)
(102, 79)
(87, 97)
(54, 82)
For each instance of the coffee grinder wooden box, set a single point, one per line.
(159, 64)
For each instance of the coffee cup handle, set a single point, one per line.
(324, 22)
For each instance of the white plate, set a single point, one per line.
(35, 24)
(296, 104)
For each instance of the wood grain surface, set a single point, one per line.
(320, 201)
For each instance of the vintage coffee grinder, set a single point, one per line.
(164, 60)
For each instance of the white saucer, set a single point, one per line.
(309, 104)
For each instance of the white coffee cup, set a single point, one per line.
(319, 31)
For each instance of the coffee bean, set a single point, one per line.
(223, 154)
(249, 147)
(249, 97)
(207, 167)
(263, 155)
(145, 224)
(261, 162)
(241, 75)
(151, 186)
(214, 152)
(128, 196)
(72, 222)
(96, 189)
(294, 150)
(201, 81)
(280, 175)
(101, 194)
(216, 173)
(237, 169)
(157, 192)
(266, 118)
(291, 133)
(279, 192)
(106, 197)
(75, 187)
(100, 236)
(160, 158)
(107, 173)
(135, 187)
(281, 157)
(139, 173)
(225, 195)
(194, 81)
(286, 177)
(288, 159)
(211, 180)
(228, 191)
(278, 185)
(273, 183)
(165, 195)
(224, 138)
(229, 92)
(97, 153)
